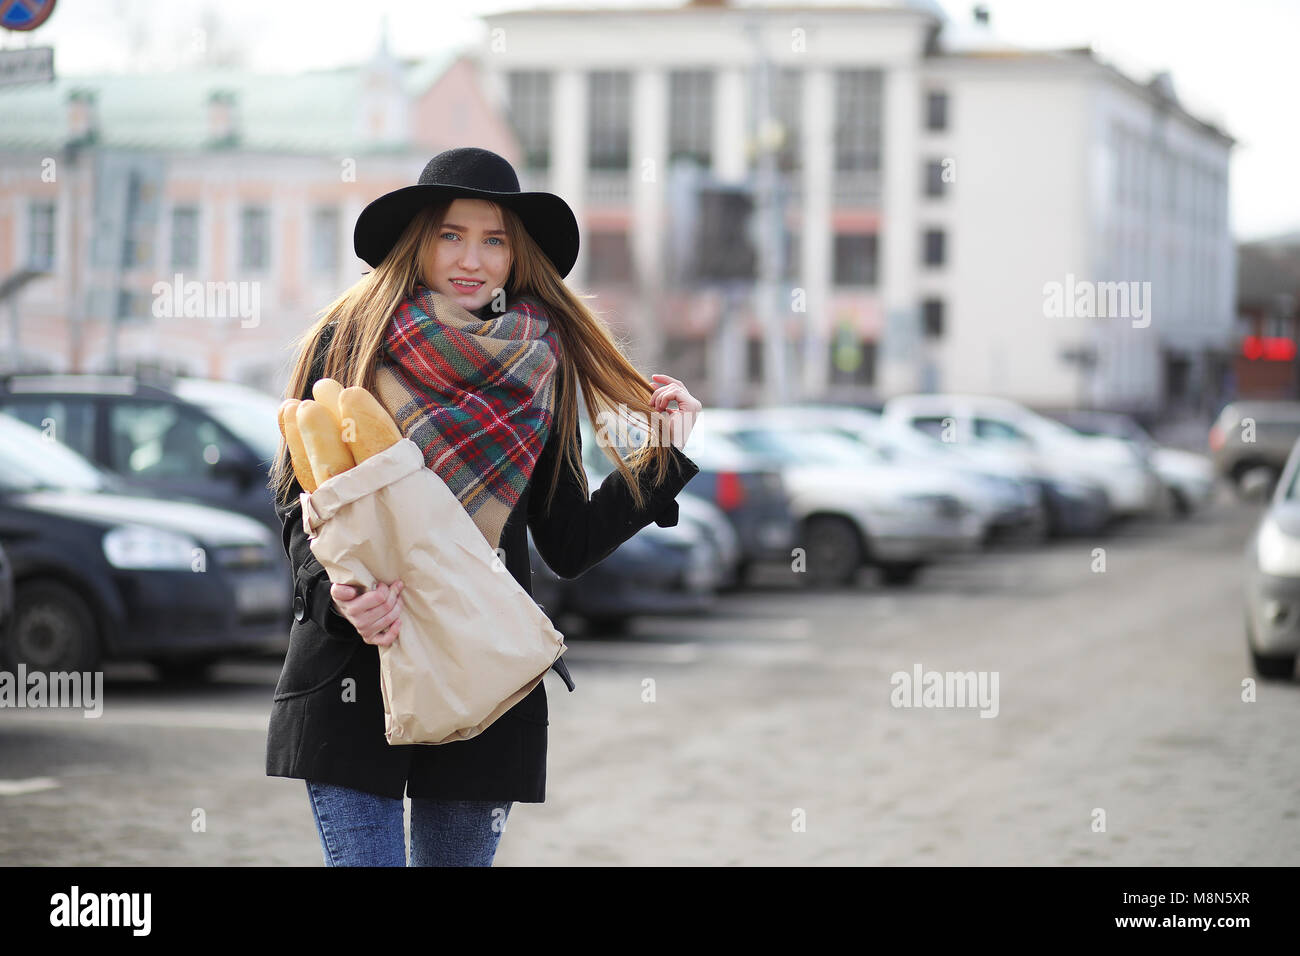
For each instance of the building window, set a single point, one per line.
(141, 215)
(609, 113)
(529, 112)
(254, 238)
(40, 236)
(609, 258)
(934, 182)
(787, 109)
(690, 116)
(853, 362)
(793, 251)
(936, 111)
(857, 120)
(855, 259)
(325, 240)
(932, 318)
(185, 237)
(934, 252)
(754, 350)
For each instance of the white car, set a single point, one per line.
(1047, 446)
(853, 509)
(1188, 477)
(1009, 497)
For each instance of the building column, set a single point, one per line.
(649, 183)
(730, 130)
(569, 151)
(900, 244)
(815, 267)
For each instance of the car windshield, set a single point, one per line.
(31, 462)
(803, 447)
(252, 421)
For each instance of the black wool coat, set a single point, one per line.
(317, 734)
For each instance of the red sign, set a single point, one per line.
(1268, 349)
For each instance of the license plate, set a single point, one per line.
(261, 595)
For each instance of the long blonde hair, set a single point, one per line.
(590, 359)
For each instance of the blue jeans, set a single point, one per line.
(363, 829)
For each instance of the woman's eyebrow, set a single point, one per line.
(489, 232)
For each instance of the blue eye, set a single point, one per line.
(496, 239)
(446, 234)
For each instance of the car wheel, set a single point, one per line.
(53, 629)
(900, 573)
(1255, 482)
(185, 670)
(833, 552)
(1277, 668)
(1269, 666)
(1179, 504)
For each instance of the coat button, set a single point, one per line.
(299, 608)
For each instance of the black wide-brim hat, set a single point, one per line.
(470, 173)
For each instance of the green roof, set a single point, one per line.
(311, 112)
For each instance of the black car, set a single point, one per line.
(179, 439)
(102, 574)
(6, 592)
(748, 490)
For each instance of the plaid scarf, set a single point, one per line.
(477, 395)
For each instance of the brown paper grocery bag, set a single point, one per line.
(473, 643)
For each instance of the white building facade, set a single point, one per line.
(934, 195)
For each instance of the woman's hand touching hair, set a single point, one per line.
(680, 419)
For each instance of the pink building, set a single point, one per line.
(199, 220)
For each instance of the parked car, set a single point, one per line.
(6, 593)
(852, 511)
(749, 491)
(1188, 478)
(1273, 579)
(1057, 453)
(179, 439)
(104, 575)
(675, 570)
(1010, 503)
(1250, 442)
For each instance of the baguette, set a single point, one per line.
(326, 391)
(320, 433)
(373, 429)
(297, 450)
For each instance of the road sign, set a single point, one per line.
(24, 14)
(33, 65)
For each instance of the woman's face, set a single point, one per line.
(471, 245)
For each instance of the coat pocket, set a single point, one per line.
(315, 659)
(533, 708)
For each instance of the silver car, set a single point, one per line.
(854, 509)
(1273, 579)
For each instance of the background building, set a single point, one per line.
(926, 186)
(114, 184)
(934, 182)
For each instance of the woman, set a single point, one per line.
(466, 331)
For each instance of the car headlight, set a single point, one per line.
(1278, 552)
(143, 547)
